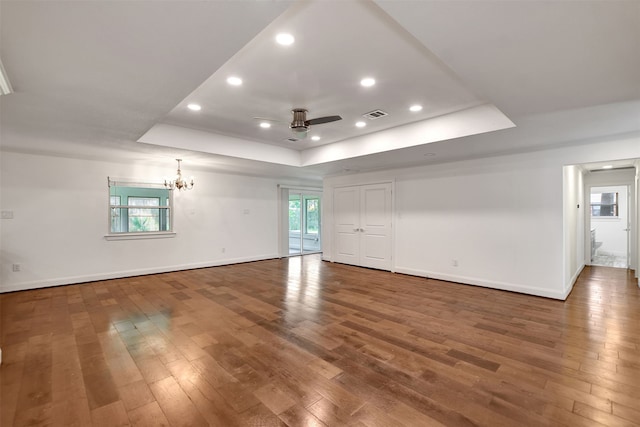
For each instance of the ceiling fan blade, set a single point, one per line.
(267, 119)
(321, 120)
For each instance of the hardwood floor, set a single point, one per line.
(302, 342)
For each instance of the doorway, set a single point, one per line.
(610, 226)
(304, 223)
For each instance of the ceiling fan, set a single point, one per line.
(300, 125)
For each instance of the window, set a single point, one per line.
(604, 204)
(147, 208)
(312, 213)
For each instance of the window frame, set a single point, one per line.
(135, 235)
(615, 205)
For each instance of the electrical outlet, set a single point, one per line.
(224, 250)
(15, 267)
(454, 262)
(6, 215)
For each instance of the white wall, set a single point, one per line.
(609, 231)
(574, 208)
(502, 218)
(60, 219)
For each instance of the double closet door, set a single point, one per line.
(362, 216)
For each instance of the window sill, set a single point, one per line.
(141, 236)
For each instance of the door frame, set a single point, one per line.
(614, 177)
(330, 227)
(628, 213)
(283, 216)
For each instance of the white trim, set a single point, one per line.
(5, 86)
(141, 236)
(298, 187)
(135, 183)
(523, 289)
(573, 280)
(128, 273)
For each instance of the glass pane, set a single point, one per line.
(604, 204)
(312, 212)
(294, 224)
(141, 219)
(311, 236)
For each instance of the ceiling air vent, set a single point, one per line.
(292, 139)
(375, 114)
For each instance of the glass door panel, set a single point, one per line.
(311, 224)
(295, 224)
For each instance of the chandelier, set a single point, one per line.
(178, 182)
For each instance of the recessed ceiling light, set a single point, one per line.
(315, 138)
(265, 125)
(361, 124)
(367, 82)
(429, 154)
(415, 108)
(607, 167)
(285, 39)
(194, 107)
(234, 81)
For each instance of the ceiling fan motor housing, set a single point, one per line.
(298, 124)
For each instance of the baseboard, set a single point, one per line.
(513, 287)
(128, 273)
(572, 282)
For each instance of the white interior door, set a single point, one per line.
(346, 202)
(363, 225)
(375, 226)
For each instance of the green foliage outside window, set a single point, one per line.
(294, 215)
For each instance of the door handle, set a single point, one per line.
(626, 229)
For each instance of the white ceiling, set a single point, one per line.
(93, 78)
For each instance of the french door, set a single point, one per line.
(304, 223)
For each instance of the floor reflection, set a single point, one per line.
(302, 288)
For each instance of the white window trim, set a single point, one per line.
(141, 236)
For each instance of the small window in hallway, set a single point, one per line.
(604, 204)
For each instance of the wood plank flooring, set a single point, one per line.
(302, 342)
